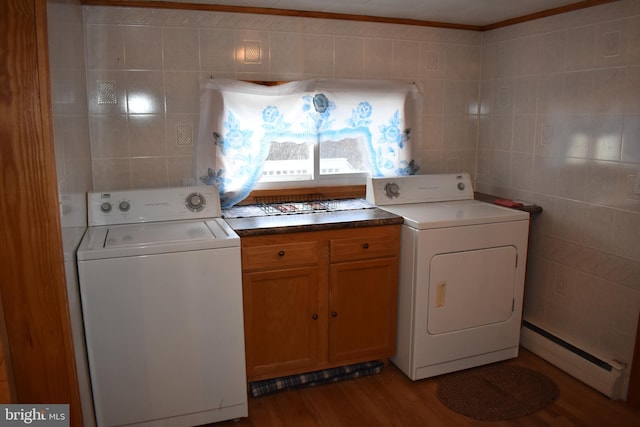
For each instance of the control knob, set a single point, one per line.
(195, 202)
(105, 207)
(392, 190)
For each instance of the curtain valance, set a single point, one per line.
(240, 120)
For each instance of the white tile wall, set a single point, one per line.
(569, 143)
(157, 57)
(69, 108)
(547, 111)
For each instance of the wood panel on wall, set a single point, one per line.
(38, 339)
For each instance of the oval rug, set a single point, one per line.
(496, 392)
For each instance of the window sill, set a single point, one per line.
(329, 192)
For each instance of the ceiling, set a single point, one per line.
(480, 13)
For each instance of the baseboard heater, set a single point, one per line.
(604, 376)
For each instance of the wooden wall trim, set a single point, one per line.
(277, 12)
(32, 277)
(341, 16)
(545, 13)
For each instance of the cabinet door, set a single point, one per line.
(362, 309)
(281, 321)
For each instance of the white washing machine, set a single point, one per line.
(462, 271)
(161, 295)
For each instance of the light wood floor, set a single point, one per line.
(391, 399)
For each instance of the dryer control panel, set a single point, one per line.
(419, 189)
(155, 204)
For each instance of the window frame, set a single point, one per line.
(318, 179)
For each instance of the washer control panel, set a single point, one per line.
(391, 190)
(156, 204)
(419, 189)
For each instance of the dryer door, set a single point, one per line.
(471, 288)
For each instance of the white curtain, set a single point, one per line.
(238, 121)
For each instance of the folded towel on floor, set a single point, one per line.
(310, 379)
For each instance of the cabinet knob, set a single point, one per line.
(366, 246)
(314, 317)
(334, 314)
(281, 253)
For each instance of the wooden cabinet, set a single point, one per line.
(281, 316)
(319, 299)
(362, 309)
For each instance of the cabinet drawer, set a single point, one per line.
(376, 243)
(279, 255)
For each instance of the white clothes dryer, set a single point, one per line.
(462, 271)
(161, 294)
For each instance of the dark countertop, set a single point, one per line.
(278, 224)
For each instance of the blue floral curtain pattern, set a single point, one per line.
(239, 121)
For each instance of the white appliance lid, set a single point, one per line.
(113, 241)
(423, 216)
(156, 233)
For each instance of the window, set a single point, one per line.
(343, 156)
(288, 161)
(307, 133)
(291, 162)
